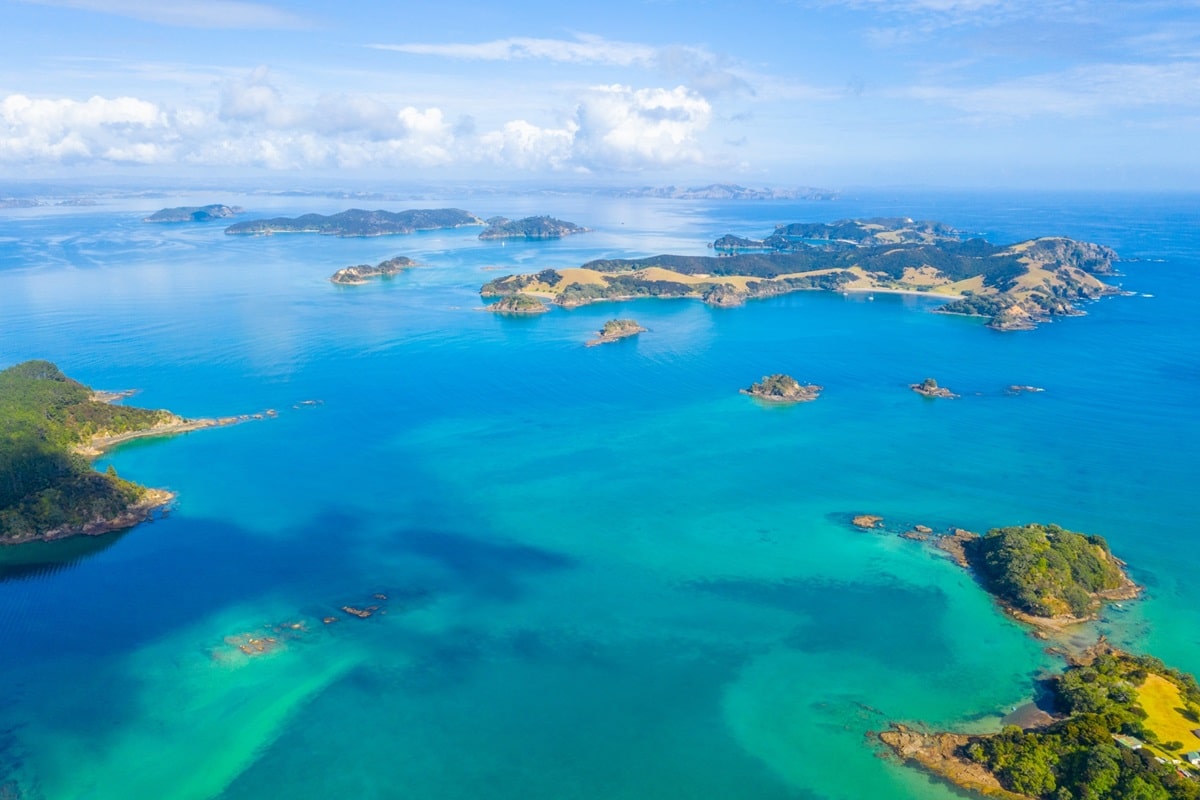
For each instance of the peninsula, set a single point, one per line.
(194, 213)
(780, 388)
(1014, 286)
(353, 276)
(1121, 723)
(52, 426)
(616, 329)
(357, 222)
(534, 228)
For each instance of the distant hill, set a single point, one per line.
(357, 222)
(727, 191)
(194, 213)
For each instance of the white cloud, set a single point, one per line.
(252, 123)
(67, 130)
(188, 14)
(629, 128)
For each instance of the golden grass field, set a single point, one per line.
(1161, 700)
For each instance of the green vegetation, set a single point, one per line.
(1078, 758)
(529, 228)
(44, 483)
(1045, 570)
(357, 222)
(518, 304)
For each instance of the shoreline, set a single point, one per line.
(99, 444)
(137, 513)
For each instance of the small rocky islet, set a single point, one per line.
(780, 388)
(615, 330)
(930, 388)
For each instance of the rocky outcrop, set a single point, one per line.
(929, 388)
(724, 295)
(939, 754)
(616, 329)
(780, 388)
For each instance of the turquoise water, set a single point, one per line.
(609, 574)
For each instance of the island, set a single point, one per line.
(929, 388)
(354, 276)
(616, 329)
(534, 228)
(194, 213)
(518, 305)
(53, 426)
(1120, 724)
(1014, 287)
(357, 222)
(780, 388)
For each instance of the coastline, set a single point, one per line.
(144, 510)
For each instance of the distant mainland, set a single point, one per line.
(53, 426)
(1014, 287)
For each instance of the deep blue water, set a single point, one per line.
(609, 574)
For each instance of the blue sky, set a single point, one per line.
(834, 93)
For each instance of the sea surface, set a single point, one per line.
(609, 574)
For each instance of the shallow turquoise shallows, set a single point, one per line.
(609, 574)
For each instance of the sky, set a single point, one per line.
(1050, 94)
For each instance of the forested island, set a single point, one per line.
(353, 276)
(195, 213)
(1014, 286)
(357, 222)
(50, 426)
(1121, 723)
(533, 228)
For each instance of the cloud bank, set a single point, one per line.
(252, 124)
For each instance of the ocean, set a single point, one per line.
(608, 574)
